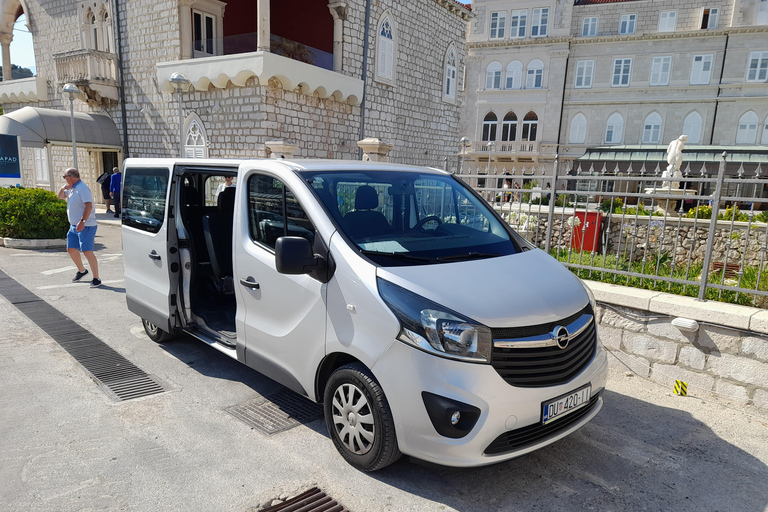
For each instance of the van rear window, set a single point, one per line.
(144, 197)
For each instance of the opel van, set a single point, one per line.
(393, 295)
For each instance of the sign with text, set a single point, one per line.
(10, 159)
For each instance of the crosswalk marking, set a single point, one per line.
(84, 282)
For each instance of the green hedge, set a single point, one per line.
(32, 213)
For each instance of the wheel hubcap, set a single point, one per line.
(353, 419)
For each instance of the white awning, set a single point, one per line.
(40, 126)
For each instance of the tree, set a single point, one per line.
(17, 72)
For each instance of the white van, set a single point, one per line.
(393, 295)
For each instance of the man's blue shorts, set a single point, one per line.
(82, 240)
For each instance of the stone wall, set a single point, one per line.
(727, 356)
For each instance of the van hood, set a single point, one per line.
(527, 288)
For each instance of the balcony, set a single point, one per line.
(521, 148)
(94, 71)
(24, 90)
(293, 75)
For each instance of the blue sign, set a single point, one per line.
(10, 161)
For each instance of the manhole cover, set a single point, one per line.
(314, 500)
(277, 413)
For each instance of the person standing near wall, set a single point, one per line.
(115, 185)
(82, 220)
(104, 181)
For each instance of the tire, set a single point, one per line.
(155, 333)
(358, 418)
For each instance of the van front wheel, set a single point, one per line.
(358, 418)
(155, 333)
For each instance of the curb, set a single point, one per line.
(24, 243)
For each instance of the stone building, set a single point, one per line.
(556, 77)
(259, 71)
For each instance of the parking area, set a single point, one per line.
(67, 445)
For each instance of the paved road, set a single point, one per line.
(66, 446)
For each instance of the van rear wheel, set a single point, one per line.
(358, 418)
(155, 333)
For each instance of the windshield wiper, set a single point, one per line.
(398, 255)
(469, 256)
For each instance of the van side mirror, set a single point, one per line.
(293, 255)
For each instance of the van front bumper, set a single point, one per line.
(509, 423)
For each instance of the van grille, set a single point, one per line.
(533, 434)
(544, 366)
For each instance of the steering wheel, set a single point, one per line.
(431, 218)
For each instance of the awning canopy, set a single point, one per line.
(40, 126)
(691, 153)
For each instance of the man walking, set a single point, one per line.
(114, 189)
(82, 220)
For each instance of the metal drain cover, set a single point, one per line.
(277, 413)
(314, 500)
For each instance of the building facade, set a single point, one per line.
(614, 73)
(259, 71)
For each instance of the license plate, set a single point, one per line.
(559, 407)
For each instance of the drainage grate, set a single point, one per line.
(118, 376)
(314, 500)
(277, 413)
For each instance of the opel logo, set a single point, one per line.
(560, 335)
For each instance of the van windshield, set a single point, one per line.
(411, 218)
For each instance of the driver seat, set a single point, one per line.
(364, 221)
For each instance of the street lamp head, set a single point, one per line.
(179, 81)
(491, 145)
(71, 90)
(464, 141)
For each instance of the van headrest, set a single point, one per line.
(226, 201)
(366, 198)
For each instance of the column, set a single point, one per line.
(5, 41)
(185, 28)
(374, 149)
(262, 25)
(339, 13)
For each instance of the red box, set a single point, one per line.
(586, 236)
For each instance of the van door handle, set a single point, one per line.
(154, 256)
(250, 283)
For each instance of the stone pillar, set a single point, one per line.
(374, 149)
(281, 148)
(262, 25)
(339, 12)
(5, 41)
(185, 28)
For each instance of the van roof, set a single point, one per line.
(300, 164)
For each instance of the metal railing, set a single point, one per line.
(702, 234)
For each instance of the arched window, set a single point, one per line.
(514, 75)
(614, 129)
(93, 30)
(692, 127)
(578, 133)
(535, 75)
(489, 126)
(195, 144)
(764, 139)
(652, 129)
(493, 76)
(747, 130)
(530, 126)
(509, 127)
(385, 52)
(106, 29)
(449, 87)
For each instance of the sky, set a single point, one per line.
(21, 46)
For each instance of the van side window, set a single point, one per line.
(273, 211)
(144, 192)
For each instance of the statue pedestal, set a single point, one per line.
(668, 206)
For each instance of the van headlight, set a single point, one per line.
(435, 329)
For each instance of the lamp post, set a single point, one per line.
(463, 142)
(491, 145)
(180, 84)
(71, 91)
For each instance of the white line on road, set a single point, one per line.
(58, 270)
(51, 287)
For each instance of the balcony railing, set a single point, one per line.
(524, 148)
(86, 67)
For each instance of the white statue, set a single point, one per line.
(675, 160)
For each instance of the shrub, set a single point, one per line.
(732, 212)
(32, 213)
(701, 212)
(616, 202)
